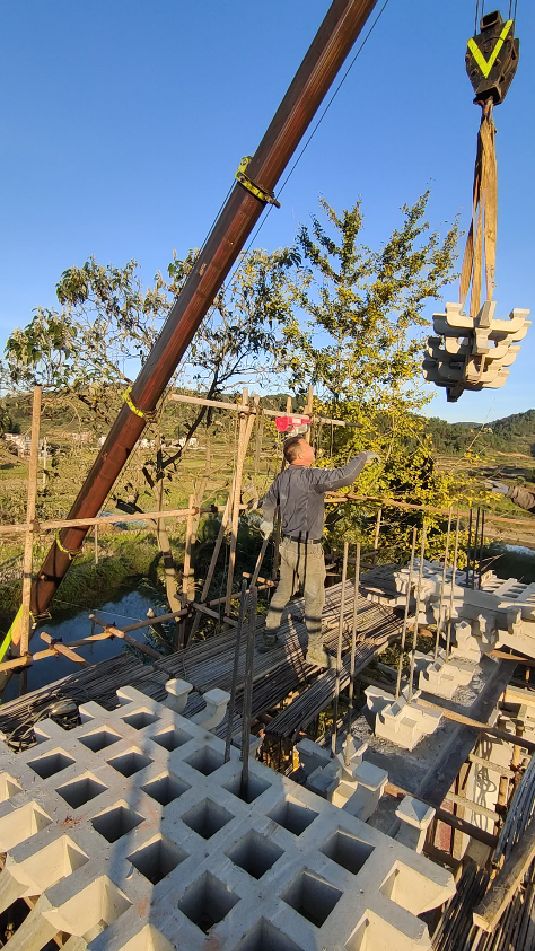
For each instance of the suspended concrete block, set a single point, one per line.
(472, 353)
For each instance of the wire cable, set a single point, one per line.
(318, 123)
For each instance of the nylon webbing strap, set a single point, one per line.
(480, 248)
(143, 414)
(251, 186)
(62, 548)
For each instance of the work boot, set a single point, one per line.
(317, 655)
(269, 643)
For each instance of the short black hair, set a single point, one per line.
(290, 449)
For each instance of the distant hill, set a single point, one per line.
(514, 434)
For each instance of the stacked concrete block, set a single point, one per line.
(405, 724)
(360, 796)
(415, 817)
(445, 676)
(470, 353)
(500, 612)
(133, 834)
(312, 756)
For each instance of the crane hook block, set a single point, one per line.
(492, 58)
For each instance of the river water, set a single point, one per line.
(128, 608)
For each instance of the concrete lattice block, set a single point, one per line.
(416, 817)
(134, 835)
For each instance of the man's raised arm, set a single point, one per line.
(326, 480)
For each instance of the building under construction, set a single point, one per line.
(224, 796)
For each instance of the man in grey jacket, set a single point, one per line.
(298, 493)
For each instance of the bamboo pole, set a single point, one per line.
(238, 408)
(56, 523)
(309, 410)
(188, 590)
(21, 637)
(376, 536)
(333, 499)
(52, 524)
(507, 882)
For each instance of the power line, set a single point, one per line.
(319, 121)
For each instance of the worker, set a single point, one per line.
(524, 498)
(298, 493)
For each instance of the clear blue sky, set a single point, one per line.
(122, 124)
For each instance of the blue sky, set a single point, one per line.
(123, 122)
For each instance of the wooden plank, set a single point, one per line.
(456, 822)
(477, 725)
(503, 655)
(523, 697)
(60, 648)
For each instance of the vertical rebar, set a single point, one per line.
(481, 544)
(443, 586)
(452, 588)
(418, 604)
(476, 534)
(468, 545)
(406, 614)
(247, 707)
(339, 647)
(232, 701)
(353, 642)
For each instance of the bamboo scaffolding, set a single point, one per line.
(239, 408)
(433, 510)
(21, 636)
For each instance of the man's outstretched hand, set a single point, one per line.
(371, 457)
(266, 528)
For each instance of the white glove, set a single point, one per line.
(266, 527)
(500, 487)
(371, 457)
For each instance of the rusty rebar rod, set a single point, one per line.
(339, 647)
(406, 613)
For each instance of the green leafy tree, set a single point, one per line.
(361, 344)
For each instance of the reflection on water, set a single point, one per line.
(128, 609)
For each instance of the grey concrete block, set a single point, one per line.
(135, 834)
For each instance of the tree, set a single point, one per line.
(91, 346)
(362, 347)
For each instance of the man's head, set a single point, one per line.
(297, 452)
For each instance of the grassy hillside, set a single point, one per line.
(514, 435)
